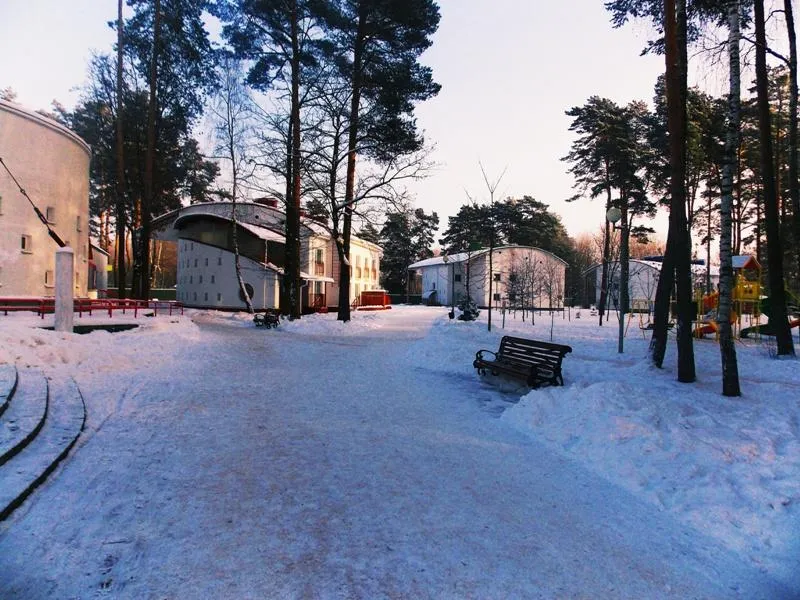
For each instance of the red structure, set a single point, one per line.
(374, 300)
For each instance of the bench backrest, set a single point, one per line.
(530, 352)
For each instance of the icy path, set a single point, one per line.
(270, 465)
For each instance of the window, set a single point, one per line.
(457, 277)
(497, 297)
(25, 244)
(50, 214)
(49, 280)
(205, 297)
(200, 280)
(219, 261)
(213, 279)
(206, 261)
(497, 276)
(78, 223)
(195, 295)
(191, 278)
(219, 297)
(195, 262)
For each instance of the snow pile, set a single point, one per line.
(729, 466)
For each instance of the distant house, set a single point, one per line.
(642, 281)
(206, 275)
(521, 276)
(52, 164)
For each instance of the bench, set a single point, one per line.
(266, 319)
(532, 361)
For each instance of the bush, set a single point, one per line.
(468, 310)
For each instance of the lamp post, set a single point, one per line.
(452, 313)
(613, 215)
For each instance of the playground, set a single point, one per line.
(750, 307)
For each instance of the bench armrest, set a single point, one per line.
(479, 354)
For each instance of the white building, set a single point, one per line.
(206, 275)
(642, 282)
(51, 163)
(521, 276)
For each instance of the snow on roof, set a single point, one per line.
(439, 260)
(264, 233)
(696, 269)
(463, 256)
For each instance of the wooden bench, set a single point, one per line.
(532, 361)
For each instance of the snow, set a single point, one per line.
(368, 460)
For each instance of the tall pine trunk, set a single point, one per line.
(292, 268)
(777, 317)
(794, 187)
(121, 212)
(606, 257)
(143, 260)
(349, 193)
(727, 347)
(676, 264)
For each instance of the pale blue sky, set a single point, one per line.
(508, 69)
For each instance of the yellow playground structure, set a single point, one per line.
(746, 299)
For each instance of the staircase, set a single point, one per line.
(40, 421)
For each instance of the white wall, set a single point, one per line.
(52, 164)
(207, 278)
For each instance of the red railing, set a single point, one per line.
(47, 305)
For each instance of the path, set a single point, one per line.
(229, 474)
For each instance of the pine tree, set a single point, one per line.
(783, 335)
(377, 45)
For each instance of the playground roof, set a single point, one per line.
(746, 261)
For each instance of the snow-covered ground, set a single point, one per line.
(367, 460)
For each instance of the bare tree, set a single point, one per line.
(231, 113)
(491, 186)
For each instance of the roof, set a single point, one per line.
(440, 260)
(745, 261)
(464, 256)
(652, 264)
(30, 115)
(263, 232)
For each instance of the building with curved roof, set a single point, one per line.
(51, 163)
(206, 275)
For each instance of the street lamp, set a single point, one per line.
(452, 313)
(613, 215)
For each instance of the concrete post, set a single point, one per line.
(65, 274)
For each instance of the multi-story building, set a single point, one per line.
(206, 275)
(520, 276)
(51, 163)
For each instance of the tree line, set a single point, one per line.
(309, 101)
(725, 168)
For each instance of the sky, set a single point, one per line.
(509, 70)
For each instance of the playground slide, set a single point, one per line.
(704, 329)
(765, 329)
